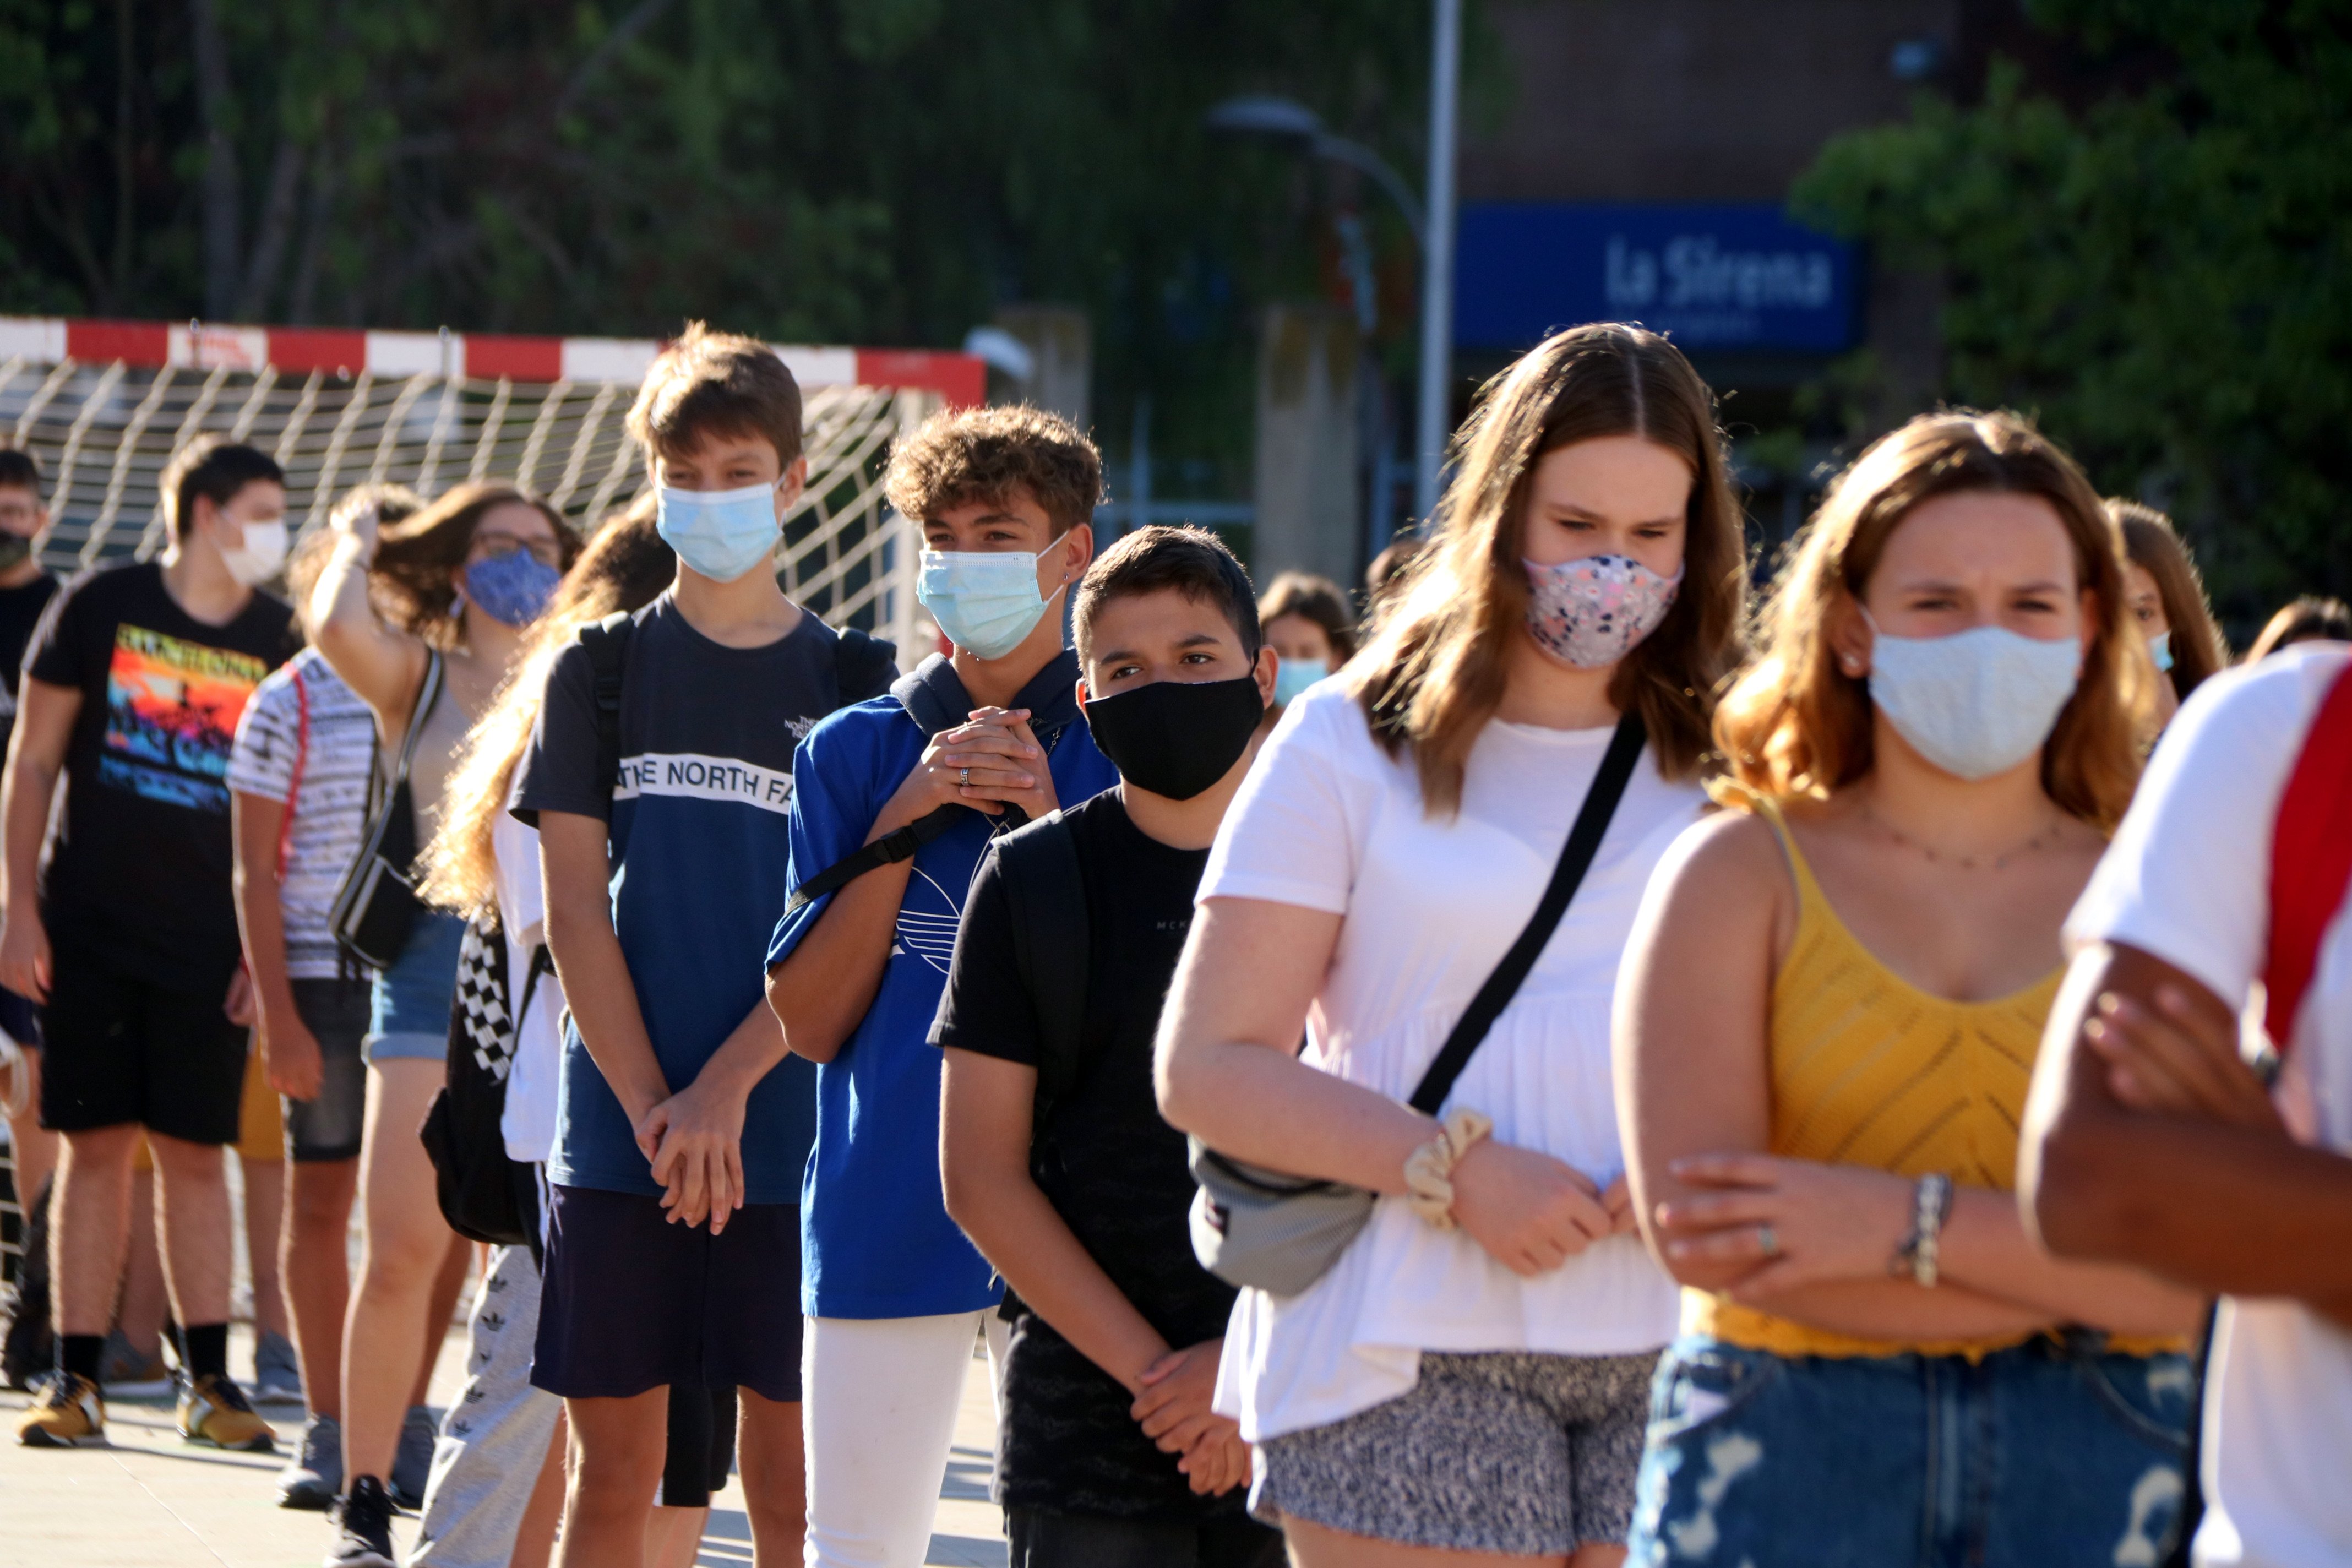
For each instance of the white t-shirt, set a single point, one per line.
(1328, 820)
(528, 1123)
(2188, 880)
(330, 809)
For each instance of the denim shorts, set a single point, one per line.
(328, 1128)
(408, 1008)
(2055, 1451)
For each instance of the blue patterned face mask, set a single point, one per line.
(723, 534)
(513, 588)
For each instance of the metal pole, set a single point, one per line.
(1437, 258)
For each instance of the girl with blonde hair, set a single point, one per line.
(1471, 1375)
(1826, 1023)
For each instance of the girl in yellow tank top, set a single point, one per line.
(1826, 1029)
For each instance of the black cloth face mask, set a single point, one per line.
(1175, 740)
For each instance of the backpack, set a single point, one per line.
(485, 1194)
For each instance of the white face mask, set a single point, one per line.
(1975, 703)
(259, 557)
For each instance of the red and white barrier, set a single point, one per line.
(959, 378)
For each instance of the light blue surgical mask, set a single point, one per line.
(985, 601)
(1975, 703)
(720, 534)
(1294, 676)
(2160, 648)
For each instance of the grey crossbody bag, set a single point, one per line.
(1262, 1229)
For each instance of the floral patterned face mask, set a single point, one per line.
(1591, 613)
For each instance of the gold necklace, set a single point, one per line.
(1966, 862)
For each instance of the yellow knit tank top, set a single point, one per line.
(1868, 1069)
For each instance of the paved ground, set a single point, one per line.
(149, 1498)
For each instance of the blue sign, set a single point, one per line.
(1711, 276)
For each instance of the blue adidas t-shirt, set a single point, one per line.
(875, 1238)
(701, 844)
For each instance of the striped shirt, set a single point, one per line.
(330, 807)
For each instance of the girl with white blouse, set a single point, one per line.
(1477, 1381)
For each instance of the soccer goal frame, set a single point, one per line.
(103, 405)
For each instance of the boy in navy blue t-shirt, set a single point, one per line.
(682, 1128)
(965, 747)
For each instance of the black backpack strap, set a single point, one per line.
(607, 642)
(863, 665)
(1575, 859)
(1047, 899)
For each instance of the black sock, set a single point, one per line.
(203, 1348)
(80, 1354)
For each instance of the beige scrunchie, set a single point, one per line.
(1429, 1170)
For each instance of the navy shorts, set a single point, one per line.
(632, 1302)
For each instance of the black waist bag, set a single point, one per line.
(376, 908)
(484, 1194)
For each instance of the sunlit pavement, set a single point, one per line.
(149, 1498)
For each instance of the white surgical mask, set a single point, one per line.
(985, 601)
(259, 557)
(723, 534)
(1975, 703)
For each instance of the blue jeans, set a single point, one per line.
(2046, 1455)
(408, 1005)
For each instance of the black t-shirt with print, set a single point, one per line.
(139, 866)
(1110, 1166)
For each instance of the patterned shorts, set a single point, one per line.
(1507, 1452)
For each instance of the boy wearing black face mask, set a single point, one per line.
(1054, 1156)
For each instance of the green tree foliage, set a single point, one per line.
(2164, 276)
(874, 171)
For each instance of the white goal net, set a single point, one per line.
(103, 432)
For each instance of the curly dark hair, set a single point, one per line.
(985, 454)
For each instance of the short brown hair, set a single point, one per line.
(2155, 547)
(1796, 724)
(1191, 561)
(213, 466)
(720, 384)
(1316, 599)
(967, 455)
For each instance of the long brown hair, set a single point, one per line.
(413, 580)
(624, 567)
(1795, 724)
(1434, 671)
(2154, 545)
(1316, 599)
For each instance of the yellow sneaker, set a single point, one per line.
(213, 1410)
(68, 1412)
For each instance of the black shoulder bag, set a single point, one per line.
(484, 1194)
(376, 908)
(1277, 1233)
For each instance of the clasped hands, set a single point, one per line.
(1174, 1412)
(694, 1141)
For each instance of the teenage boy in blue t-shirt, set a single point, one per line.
(673, 1227)
(893, 802)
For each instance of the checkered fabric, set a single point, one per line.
(481, 1007)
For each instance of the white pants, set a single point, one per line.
(495, 1437)
(878, 1398)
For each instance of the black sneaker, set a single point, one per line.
(363, 1528)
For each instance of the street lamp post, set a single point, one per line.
(1290, 122)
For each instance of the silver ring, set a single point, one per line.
(1768, 1240)
(963, 775)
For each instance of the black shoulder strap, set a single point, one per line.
(607, 642)
(1575, 859)
(1047, 899)
(862, 665)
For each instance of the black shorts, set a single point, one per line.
(117, 1048)
(329, 1128)
(632, 1302)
